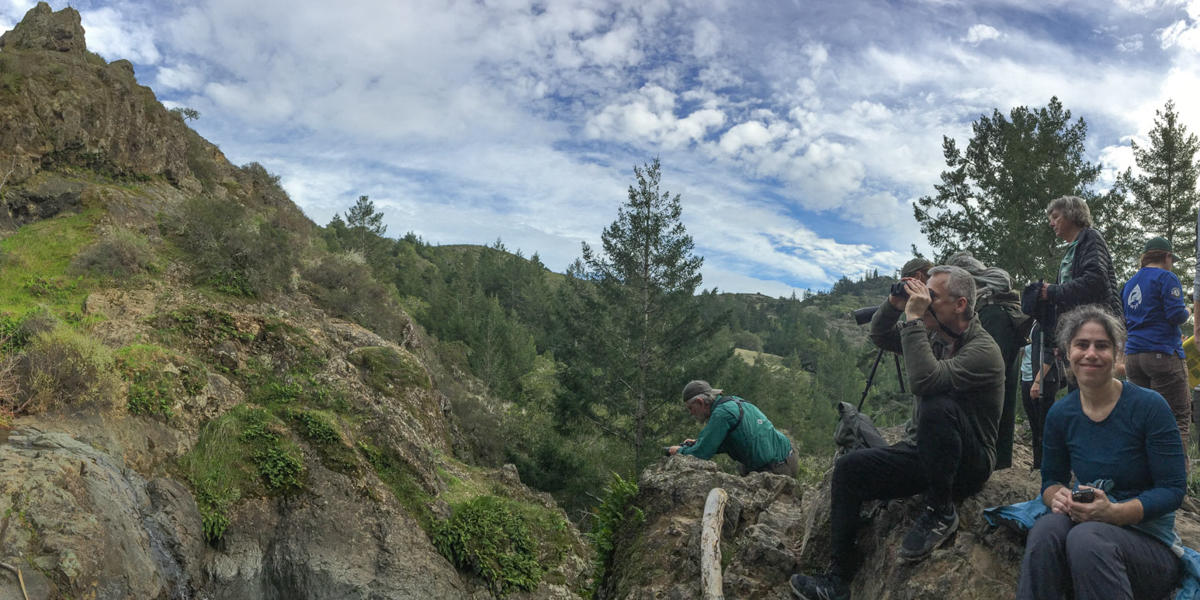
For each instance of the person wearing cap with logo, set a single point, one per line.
(737, 428)
(1154, 310)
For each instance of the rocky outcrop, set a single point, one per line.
(80, 524)
(764, 519)
(62, 106)
(775, 527)
(44, 29)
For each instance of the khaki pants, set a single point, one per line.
(789, 467)
(1167, 375)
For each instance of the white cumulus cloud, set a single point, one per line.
(981, 33)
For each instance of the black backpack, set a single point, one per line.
(855, 431)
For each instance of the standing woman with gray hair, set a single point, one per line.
(1085, 274)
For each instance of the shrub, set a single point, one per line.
(387, 368)
(17, 331)
(344, 286)
(66, 366)
(119, 254)
(487, 537)
(324, 435)
(281, 470)
(234, 252)
(11, 404)
(317, 427)
(748, 340)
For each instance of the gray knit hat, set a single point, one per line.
(696, 387)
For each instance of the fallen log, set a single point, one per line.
(711, 585)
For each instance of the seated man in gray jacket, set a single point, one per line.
(957, 373)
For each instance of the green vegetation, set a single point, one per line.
(634, 302)
(388, 370)
(615, 512)
(243, 452)
(233, 251)
(1164, 192)
(343, 285)
(10, 78)
(118, 254)
(157, 378)
(486, 536)
(400, 477)
(320, 429)
(35, 261)
(65, 366)
(196, 322)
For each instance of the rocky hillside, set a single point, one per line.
(774, 526)
(197, 400)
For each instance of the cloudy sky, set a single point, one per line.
(797, 133)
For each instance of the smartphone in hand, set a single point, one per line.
(1083, 496)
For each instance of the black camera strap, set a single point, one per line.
(955, 336)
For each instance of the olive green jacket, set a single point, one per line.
(971, 370)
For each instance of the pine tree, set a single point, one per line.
(993, 197)
(1164, 191)
(635, 335)
(365, 224)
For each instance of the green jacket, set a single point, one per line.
(971, 371)
(754, 442)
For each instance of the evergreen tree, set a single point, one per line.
(1164, 191)
(633, 321)
(365, 225)
(993, 197)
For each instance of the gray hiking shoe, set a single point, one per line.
(931, 530)
(819, 587)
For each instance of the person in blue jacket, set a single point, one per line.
(737, 428)
(1114, 537)
(1154, 310)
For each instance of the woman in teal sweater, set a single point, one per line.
(1115, 536)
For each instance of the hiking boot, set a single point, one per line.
(931, 530)
(819, 587)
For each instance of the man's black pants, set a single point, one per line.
(946, 464)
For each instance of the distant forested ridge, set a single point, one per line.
(505, 317)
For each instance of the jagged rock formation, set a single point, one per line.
(66, 107)
(775, 527)
(99, 502)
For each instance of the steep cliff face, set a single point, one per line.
(189, 443)
(774, 527)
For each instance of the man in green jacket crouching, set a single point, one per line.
(737, 428)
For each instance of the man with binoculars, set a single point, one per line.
(957, 373)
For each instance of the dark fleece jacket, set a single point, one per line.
(1093, 280)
